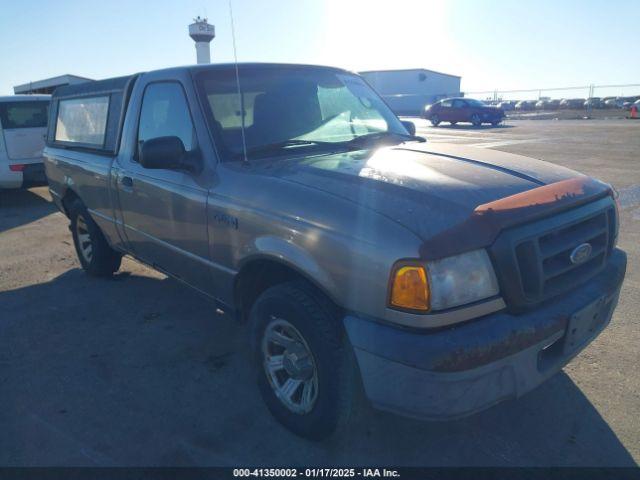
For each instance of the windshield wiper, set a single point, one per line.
(384, 135)
(277, 146)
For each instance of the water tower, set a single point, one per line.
(202, 33)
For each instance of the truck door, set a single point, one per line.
(164, 211)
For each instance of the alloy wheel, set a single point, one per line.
(289, 366)
(84, 239)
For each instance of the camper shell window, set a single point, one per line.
(82, 120)
(89, 115)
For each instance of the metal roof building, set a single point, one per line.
(408, 91)
(48, 85)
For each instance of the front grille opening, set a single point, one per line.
(555, 242)
(528, 262)
(543, 261)
(561, 262)
(573, 277)
(550, 355)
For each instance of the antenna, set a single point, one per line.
(235, 57)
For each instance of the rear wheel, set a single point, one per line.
(304, 370)
(475, 120)
(96, 256)
(435, 120)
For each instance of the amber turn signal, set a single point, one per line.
(410, 288)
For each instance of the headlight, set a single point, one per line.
(461, 279)
(445, 283)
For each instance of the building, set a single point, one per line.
(408, 91)
(48, 85)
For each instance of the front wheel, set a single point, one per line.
(435, 120)
(475, 120)
(96, 256)
(304, 370)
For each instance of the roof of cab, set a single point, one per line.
(24, 98)
(242, 65)
(223, 66)
(105, 86)
(119, 83)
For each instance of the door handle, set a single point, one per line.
(126, 181)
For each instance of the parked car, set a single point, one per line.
(23, 124)
(443, 279)
(613, 103)
(507, 106)
(542, 105)
(526, 105)
(593, 102)
(454, 110)
(572, 103)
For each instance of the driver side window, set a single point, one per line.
(459, 104)
(165, 113)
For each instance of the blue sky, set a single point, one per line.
(491, 44)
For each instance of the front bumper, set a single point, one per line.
(467, 368)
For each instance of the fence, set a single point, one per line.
(586, 91)
(413, 104)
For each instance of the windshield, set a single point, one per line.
(291, 107)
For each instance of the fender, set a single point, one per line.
(293, 256)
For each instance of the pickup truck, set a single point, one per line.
(437, 280)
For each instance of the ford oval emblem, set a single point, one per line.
(580, 254)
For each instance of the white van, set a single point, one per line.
(23, 126)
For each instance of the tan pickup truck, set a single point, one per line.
(437, 279)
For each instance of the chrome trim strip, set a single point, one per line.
(435, 320)
(103, 216)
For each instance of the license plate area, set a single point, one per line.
(584, 323)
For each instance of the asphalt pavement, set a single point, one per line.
(139, 370)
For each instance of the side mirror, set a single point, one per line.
(410, 126)
(163, 153)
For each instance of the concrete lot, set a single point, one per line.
(138, 370)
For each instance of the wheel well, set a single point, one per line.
(259, 275)
(68, 197)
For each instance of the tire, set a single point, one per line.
(475, 120)
(292, 322)
(96, 256)
(435, 120)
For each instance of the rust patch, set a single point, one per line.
(487, 220)
(466, 358)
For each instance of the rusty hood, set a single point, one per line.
(453, 197)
